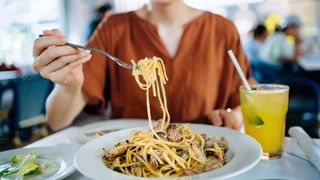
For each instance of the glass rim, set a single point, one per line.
(280, 87)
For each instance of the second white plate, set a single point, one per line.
(62, 156)
(86, 133)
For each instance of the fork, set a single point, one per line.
(102, 131)
(116, 60)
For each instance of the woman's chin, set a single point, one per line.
(162, 2)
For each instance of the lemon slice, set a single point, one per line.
(256, 121)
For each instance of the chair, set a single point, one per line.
(303, 110)
(6, 96)
(30, 94)
(264, 72)
(304, 103)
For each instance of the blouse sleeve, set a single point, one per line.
(95, 70)
(236, 46)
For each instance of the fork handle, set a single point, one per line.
(73, 45)
(83, 47)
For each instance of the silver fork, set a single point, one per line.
(116, 60)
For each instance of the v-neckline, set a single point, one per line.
(155, 29)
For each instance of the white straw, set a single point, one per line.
(237, 66)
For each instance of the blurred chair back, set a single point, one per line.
(304, 103)
(264, 72)
(31, 92)
(6, 96)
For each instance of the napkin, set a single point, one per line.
(309, 147)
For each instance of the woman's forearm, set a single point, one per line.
(63, 105)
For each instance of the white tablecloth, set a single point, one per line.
(288, 167)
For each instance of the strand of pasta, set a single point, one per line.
(147, 165)
(163, 108)
(164, 79)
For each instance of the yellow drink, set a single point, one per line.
(264, 109)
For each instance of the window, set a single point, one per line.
(21, 22)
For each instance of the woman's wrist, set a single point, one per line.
(69, 89)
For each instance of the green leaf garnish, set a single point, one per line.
(29, 169)
(8, 171)
(33, 154)
(18, 158)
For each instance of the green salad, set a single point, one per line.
(28, 165)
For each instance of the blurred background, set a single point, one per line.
(23, 92)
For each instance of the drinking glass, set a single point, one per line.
(264, 110)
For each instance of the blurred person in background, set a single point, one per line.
(203, 82)
(282, 48)
(103, 11)
(253, 45)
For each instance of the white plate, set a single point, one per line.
(86, 133)
(244, 153)
(62, 156)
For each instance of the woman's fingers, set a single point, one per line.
(42, 43)
(215, 118)
(52, 32)
(217, 121)
(51, 38)
(57, 62)
(230, 120)
(225, 118)
(61, 75)
(53, 53)
(61, 62)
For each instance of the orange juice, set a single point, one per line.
(264, 109)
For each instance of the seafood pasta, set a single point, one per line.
(166, 150)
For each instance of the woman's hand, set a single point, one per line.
(226, 118)
(58, 63)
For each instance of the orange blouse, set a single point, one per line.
(201, 74)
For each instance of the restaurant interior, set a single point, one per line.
(23, 91)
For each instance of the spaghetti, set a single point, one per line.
(167, 150)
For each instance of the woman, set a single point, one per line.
(193, 44)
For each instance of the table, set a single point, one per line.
(310, 62)
(288, 167)
(8, 75)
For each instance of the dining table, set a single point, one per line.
(8, 75)
(310, 62)
(289, 166)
